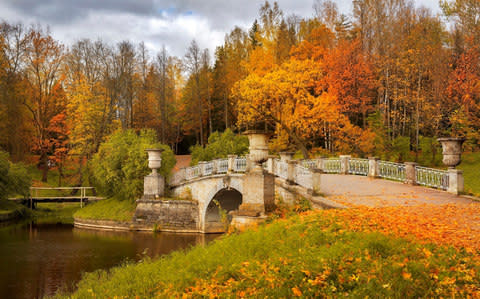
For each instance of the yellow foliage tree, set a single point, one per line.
(288, 99)
(89, 115)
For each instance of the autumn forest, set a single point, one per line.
(388, 78)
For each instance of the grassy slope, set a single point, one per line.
(108, 209)
(471, 171)
(309, 256)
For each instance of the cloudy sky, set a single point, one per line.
(173, 23)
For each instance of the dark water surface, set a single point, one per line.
(38, 259)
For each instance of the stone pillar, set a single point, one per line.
(215, 166)
(153, 186)
(410, 173)
(202, 165)
(231, 163)
(373, 168)
(455, 181)
(258, 184)
(320, 163)
(154, 183)
(271, 164)
(344, 164)
(250, 163)
(286, 156)
(258, 193)
(316, 180)
(291, 171)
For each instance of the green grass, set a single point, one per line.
(52, 176)
(7, 207)
(471, 172)
(309, 256)
(108, 209)
(44, 213)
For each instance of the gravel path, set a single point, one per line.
(360, 190)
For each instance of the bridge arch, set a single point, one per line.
(228, 192)
(227, 200)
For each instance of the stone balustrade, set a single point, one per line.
(307, 173)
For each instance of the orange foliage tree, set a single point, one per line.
(286, 98)
(46, 98)
(58, 143)
(463, 91)
(350, 77)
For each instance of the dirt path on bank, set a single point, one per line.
(182, 161)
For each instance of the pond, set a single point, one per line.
(38, 259)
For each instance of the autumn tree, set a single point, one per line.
(91, 105)
(228, 69)
(286, 98)
(45, 99)
(58, 143)
(351, 79)
(466, 15)
(123, 80)
(463, 93)
(146, 106)
(326, 11)
(193, 62)
(15, 127)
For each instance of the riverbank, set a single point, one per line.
(44, 213)
(55, 212)
(164, 215)
(316, 254)
(108, 209)
(10, 211)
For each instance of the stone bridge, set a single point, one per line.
(222, 182)
(245, 190)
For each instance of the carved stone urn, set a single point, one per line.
(258, 146)
(154, 159)
(452, 151)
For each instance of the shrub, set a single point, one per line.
(431, 151)
(14, 178)
(220, 146)
(117, 170)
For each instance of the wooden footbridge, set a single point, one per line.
(83, 195)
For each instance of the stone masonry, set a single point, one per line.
(175, 215)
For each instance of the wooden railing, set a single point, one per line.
(66, 194)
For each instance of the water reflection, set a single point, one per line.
(37, 260)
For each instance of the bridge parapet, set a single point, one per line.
(305, 172)
(219, 166)
(449, 180)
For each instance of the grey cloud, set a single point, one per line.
(66, 11)
(221, 13)
(116, 20)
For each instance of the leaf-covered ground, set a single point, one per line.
(455, 225)
(421, 251)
